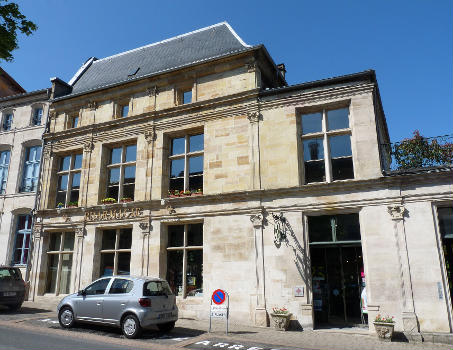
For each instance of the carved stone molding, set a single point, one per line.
(257, 220)
(253, 117)
(150, 135)
(88, 146)
(170, 209)
(92, 105)
(252, 67)
(38, 233)
(152, 91)
(144, 226)
(47, 151)
(80, 232)
(396, 211)
(52, 114)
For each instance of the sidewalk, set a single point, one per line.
(353, 339)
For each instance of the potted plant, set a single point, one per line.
(198, 192)
(187, 193)
(108, 200)
(384, 327)
(125, 200)
(174, 193)
(73, 204)
(280, 318)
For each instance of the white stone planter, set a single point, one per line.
(280, 321)
(384, 330)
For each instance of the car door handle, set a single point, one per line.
(123, 304)
(98, 304)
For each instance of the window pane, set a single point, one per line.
(131, 153)
(342, 169)
(68, 244)
(315, 171)
(340, 146)
(65, 163)
(125, 241)
(196, 165)
(97, 287)
(177, 168)
(74, 197)
(108, 239)
(177, 146)
(129, 191)
(124, 111)
(175, 235)
(52, 273)
(121, 286)
(62, 182)
(114, 176)
(320, 228)
(338, 119)
(115, 156)
(347, 227)
(176, 184)
(107, 264)
(55, 239)
(61, 197)
(445, 222)
(311, 123)
(174, 271)
(194, 276)
(129, 174)
(77, 161)
(156, 288)
(112, 192)
(187, 97)
(75, 122)
(75, 180)
(195, 235)
(22, 222)
(313, 149)
(196, 183)
(65, 273)
(124, 264)
(196, 143)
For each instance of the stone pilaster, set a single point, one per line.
(80, 233)
(254, 118)
(36, 259)
(411, 326)
(145, 228)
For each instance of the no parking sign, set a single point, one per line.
(219, 309)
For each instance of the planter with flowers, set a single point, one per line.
(280, 318)
(187, 193)
(174, 193)
(73, 204)
(108, 200)
(125, 200)
(384, 327)
(60, 205)
(198, 192)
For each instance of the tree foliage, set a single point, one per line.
(12, 21)
(421, 152)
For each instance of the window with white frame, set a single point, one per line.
(121, 173)
(37, 116)
(326, 139)
(59, 267)
(69, 174)
(186, 163)
(185, 259)
(116, 252)
(22, 240)
(4, 166)
(7, 122)
(31, 169)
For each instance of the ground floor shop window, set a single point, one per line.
(445, 216)
(59, 257)
(185, 259)
(22, 242)
(337, 269)
(116, 252)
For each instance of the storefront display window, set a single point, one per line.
(61, 248)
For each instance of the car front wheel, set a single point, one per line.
(131, 327)
(166, 327)
(66, 317)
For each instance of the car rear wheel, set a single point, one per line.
(66, 317)
(166, 327)
(131, 327)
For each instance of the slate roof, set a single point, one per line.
(201, 45)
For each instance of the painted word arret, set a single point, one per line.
(218, 297)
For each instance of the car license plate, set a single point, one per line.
(165, 315)
(9, 294)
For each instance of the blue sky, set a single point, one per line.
(408, 43)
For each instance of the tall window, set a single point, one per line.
(74, 121)
(59, 268)
(69, 180)
(4, 164)
(121, 173)
(7, 121)
(22, 242)
(185, 259)
(116, 252)
(186, 163)
(326, 139)
(445, 216)
(37, 116)
(31, 169)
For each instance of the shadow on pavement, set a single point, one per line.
(22, 311)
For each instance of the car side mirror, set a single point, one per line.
(82, 292)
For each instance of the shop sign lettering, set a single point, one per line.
(113, 214)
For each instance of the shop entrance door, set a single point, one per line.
(336, 274)
(445, 216)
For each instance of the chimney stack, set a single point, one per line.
(281, 67)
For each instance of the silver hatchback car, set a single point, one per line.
(132, 303)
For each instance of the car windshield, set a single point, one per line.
(155, 288)
(9, 274)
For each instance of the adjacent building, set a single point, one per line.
(193, 160)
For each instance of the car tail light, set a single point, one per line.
(145, 302)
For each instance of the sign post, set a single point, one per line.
(219, 309)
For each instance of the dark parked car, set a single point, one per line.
(12, 287)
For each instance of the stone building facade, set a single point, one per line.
(23, 119)
(191, 159)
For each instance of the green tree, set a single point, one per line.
(12, 21)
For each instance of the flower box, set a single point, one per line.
(280, 321)
(384, 330)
